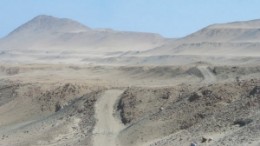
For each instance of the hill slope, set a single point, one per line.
(230, 39)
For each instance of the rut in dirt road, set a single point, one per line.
(209, 77)
(107, 126)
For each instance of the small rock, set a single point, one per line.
(203, 139)
(242, 122)
(210, 139)
(161, 108)
(255, 91)
(194, 96)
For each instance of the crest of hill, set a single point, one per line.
(238, 24)
(44, 23)
(241, 31)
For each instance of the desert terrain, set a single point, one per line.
(66, 84)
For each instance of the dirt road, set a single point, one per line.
(107, 126)
(209, 77)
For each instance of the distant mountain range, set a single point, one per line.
(44, 36)
(47, 33)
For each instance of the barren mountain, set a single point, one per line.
(51, 34)
(247, 31)
(63, 40)
(230, 39)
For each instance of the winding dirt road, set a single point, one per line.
(108, 126)
(209, 77)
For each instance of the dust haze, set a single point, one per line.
(66, 84)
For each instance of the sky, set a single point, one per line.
(170, 18)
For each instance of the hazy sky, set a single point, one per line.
(170, 18)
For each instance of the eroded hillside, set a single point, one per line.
(45, 105)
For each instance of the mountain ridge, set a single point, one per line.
(52, 33)
(52, 36)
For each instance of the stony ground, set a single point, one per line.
(226, 113)
(163, 106)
